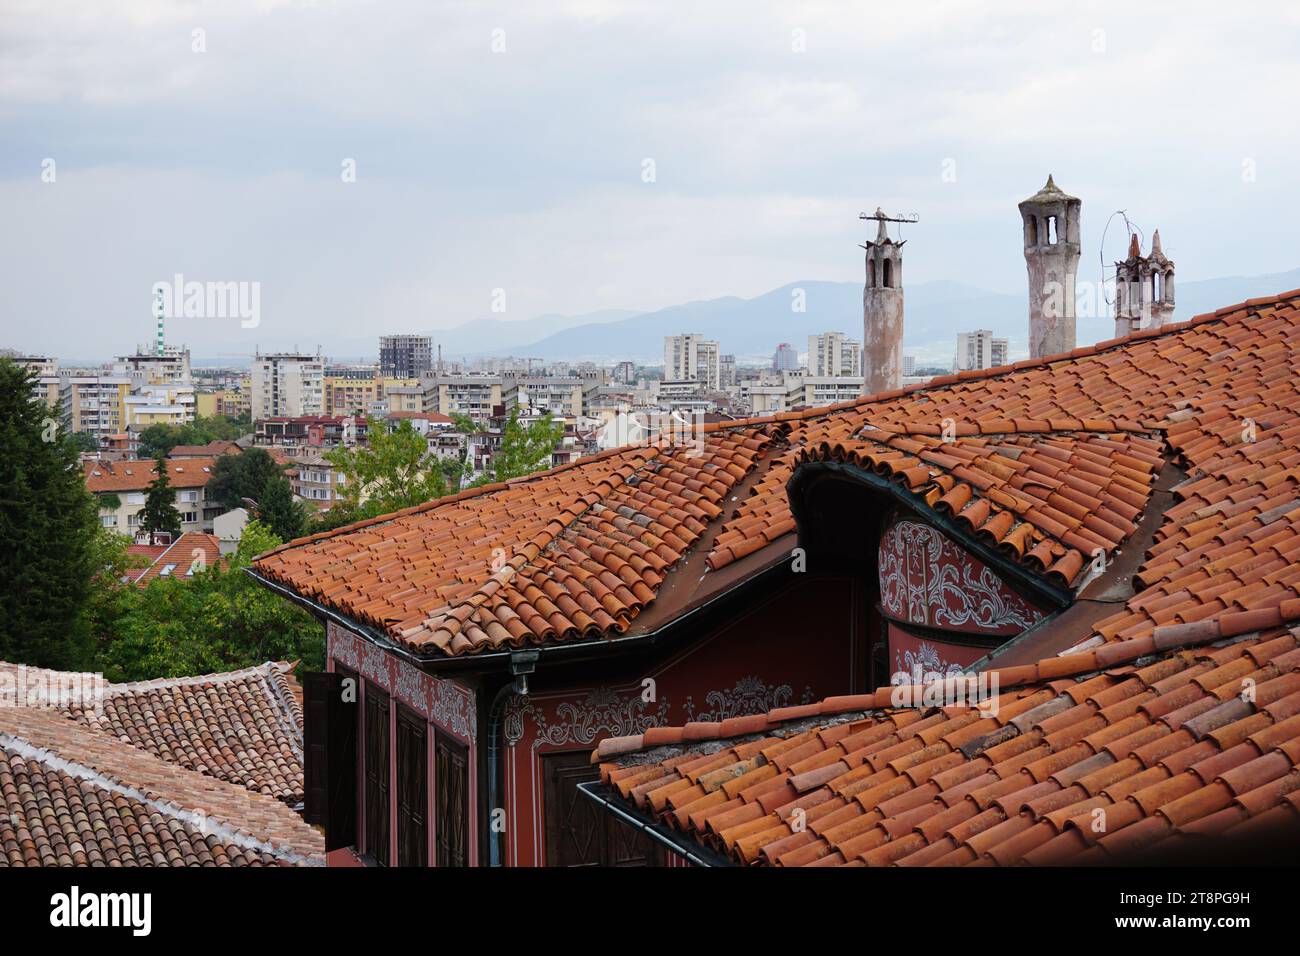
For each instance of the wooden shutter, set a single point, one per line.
(412, 789)
(580, 833)
(377, 770)
(330, 755)
(451, 779)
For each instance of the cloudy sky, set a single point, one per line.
(595, 154)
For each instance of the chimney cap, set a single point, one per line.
(1050, 193)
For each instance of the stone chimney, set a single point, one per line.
(1051, 223)
(1144, 288)
(882, 313)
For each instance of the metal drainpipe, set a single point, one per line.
(522, 663)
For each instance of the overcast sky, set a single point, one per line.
(505, 146)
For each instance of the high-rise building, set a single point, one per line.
(287, 384)
(405, 356)
(95, 404)
(785, 358)
(909, 365)
(979, 349)
(727, 367)
(834, 354)
(690, 357)
(166, 365)
(1051, 224)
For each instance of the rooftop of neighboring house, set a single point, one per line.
(184, 771)
(190, 552)
(136, 474)
(212, 449)
(1044, 462)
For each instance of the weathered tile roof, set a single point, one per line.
(243, 727)
(1078, 758)
(1049, 459)
(135, 475)
(575, 552)
(73, 795)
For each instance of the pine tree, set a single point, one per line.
(48, 523)
(276, 509)
(160, 512)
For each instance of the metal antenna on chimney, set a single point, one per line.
(880, 217)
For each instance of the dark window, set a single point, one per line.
(871, 273)
(451, 783)
(412, 789)
(580, 833)
(330, 754)
(889, 274)
(377, 769)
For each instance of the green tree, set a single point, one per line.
(160, 512)
(393, 471)
(216, 619)
(241, 476)
(84, 441)
(277, 509)
(525, 448)
(161, 438)
(48, 523)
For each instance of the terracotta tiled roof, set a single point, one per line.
(193, 550)
(1077, 759)
(212, 449)
(243, 727)
(136, 474)
(575, 552)
(1051, 460)
(72, 795)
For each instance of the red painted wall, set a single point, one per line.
(928, 580)
(799, 644)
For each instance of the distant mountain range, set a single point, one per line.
(751, 328)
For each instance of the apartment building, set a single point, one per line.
(46, 370)
(404, 398)
(171, 404)
(798, 390)
(316, 481)
(690, 357)
(310, 431)
(287, 384)
(94, 403)
(233, 403)
(785, 358)
(472, 395)
(562, 396)
(979, 349)
(405, 356)
(171, 366)
(351, 390)
(833, 354)
(727, 370)
(122, 487)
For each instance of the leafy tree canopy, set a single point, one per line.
(241, 476)
(394, 470)
(160, 439)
